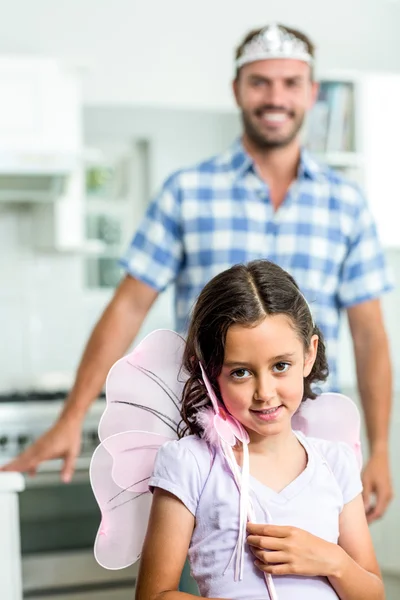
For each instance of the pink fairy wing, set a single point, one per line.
(143, 391)
(133, 454)
(144, 388)
(119, 473)
(332, 417)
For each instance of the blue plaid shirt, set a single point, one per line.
(219, 213)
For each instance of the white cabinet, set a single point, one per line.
(355, 128)
(10, 556)
(39, 107)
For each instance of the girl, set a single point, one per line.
(253, 333)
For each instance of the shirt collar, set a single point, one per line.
(310, 168)
(239, 161)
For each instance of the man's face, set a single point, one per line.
(274, 96)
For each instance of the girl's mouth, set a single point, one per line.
(269, 414)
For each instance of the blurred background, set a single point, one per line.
(99, 102)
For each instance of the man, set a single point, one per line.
(264, 198)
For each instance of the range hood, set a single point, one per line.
(34, 176)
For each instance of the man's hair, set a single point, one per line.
(298, 34)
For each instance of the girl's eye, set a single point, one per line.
(240, 374)
(281, 367)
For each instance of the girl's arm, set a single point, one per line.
(357, 573)
(165, 549)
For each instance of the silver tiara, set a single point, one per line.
(274, 42)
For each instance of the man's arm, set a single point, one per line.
(374, 376)
(110, 338)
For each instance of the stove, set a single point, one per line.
(57, 522)
(33, 396)
(26, 415)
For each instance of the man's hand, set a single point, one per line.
(378, 490)
(282, 550)
(63, 440)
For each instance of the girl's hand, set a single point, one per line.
(291, 551)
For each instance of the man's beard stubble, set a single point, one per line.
(262, 141)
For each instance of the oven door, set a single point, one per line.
(58, 525)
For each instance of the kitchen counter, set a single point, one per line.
(10, 556)
(11, 482)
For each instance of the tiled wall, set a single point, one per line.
(42, 326)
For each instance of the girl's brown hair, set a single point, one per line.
(242, 295)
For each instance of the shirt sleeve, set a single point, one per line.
(155, 253)
(343, 462)
(177, 470)
(365, 275)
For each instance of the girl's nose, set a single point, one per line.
(265, 389)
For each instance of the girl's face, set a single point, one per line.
(261, 381)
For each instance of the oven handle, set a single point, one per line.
(49, 474)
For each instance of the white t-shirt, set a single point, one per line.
(199, 476)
